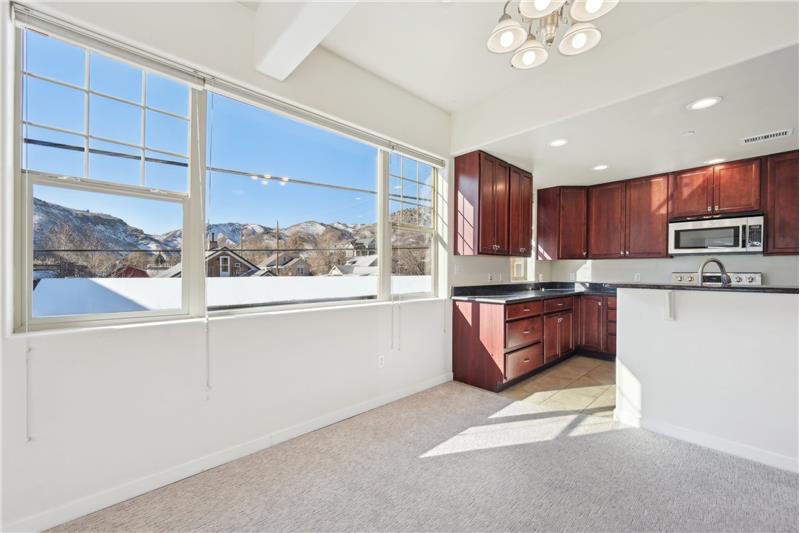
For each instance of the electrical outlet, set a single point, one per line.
(637, 277)
(381, 361)
(572, 276)
(541, 278)
(491, 276)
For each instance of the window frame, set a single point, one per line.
(193, 260)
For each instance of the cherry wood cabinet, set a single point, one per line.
(610, 305)
(591, 322)
(607, 220)
(561, 221)
(646, 216)
(520, 213)
(493, 207)
(723, 189)
(558, 335)
(781, 205)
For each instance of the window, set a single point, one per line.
(411, 213)
(296, 201)
(105, 174)
(224, 266)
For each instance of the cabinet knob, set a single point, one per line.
(621, 252)
(716, 208)
(709, 209)
(599, 304)
(627, 252)
(560, 320)
(584, 254)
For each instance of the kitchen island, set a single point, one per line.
(713, 366)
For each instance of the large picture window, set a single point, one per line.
(105, 170)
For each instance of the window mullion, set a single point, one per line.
(194, 217)
(384, 229)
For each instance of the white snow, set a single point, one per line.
(75, 296)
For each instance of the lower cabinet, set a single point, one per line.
(558, 338)
(598, 323)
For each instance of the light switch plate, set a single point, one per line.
(637, 277)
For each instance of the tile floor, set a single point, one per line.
(579, 384)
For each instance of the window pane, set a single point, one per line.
(167, 95)
(103, 253)
(116, 78)
(53, 105)
(115, 120)
(411, 262)
(52, 151)
(114, 162)
(167, 133)
(413, 213)
(410, 192)
(166, 172)
(54, 59)
(302, 225)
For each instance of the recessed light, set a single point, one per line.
(558, 142)
(704, 103)
(715, 161)
(600, 167)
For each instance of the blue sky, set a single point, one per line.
(240, 137)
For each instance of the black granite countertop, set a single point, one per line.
(524, 292)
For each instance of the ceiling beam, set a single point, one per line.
(286, 32)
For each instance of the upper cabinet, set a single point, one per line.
(782, 201)
(520, 213)
(722, 189)
(492, 217)
(607, 220)
(561, 223)
(646, 217)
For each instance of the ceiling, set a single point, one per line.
(437, 49)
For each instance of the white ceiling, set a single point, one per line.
(437, 49)
(645, 135)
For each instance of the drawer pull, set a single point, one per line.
(526, 308)
(526, 360)
(560, 304)
(526, 332)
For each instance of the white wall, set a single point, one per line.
(722, 374)
(777, 270)
(118, 411)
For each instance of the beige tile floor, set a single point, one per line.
(578, 384)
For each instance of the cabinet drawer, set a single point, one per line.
(612, 315)
(557, 304)
(523, 331)
(612, 328)
(523, 361)
(523, 309)
(612, 302)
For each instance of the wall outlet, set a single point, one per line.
(572, 276)
(381, 361)
(490, 277)
(541, 278)
(637, 277)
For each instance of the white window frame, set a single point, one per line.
(26, 179)
(226, 272)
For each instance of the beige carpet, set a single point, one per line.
(456, 458)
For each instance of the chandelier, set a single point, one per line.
(543, 19)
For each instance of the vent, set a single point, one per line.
(766, 136)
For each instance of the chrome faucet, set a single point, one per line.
(724, 277)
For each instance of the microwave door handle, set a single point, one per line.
(744, 236)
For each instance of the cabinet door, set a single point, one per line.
(646, 213)
(550, 337)
(487, 207)
(591, 322)
(500, 178)
(520, 185)
(737, 187)
(690, 193)
(572, 223)
(607, 221)
(782, 200)
(566, 340)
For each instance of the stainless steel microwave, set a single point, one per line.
(718, 236)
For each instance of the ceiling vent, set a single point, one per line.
(767, 136)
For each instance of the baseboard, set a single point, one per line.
(784, 462)
(137, 487)
(629, 419)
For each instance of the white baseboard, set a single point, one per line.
(738, 449)
(99, 500)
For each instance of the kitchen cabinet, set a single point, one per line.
(493, 207)
(646, 217)
(781, 206)
(610, 305)
(591, 320)
(561, 221)
(520, 213)
(558, 335)
(723, 189)
(607, 220)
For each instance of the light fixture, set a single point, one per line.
(586, 10)
(545, 20)
(704, 103)
(558, 143)
(507, 34)
(284, 180)
(254, 177)
(534, 9)
(580, 38)
(715, 161)
(531, 54)
(600, 167)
